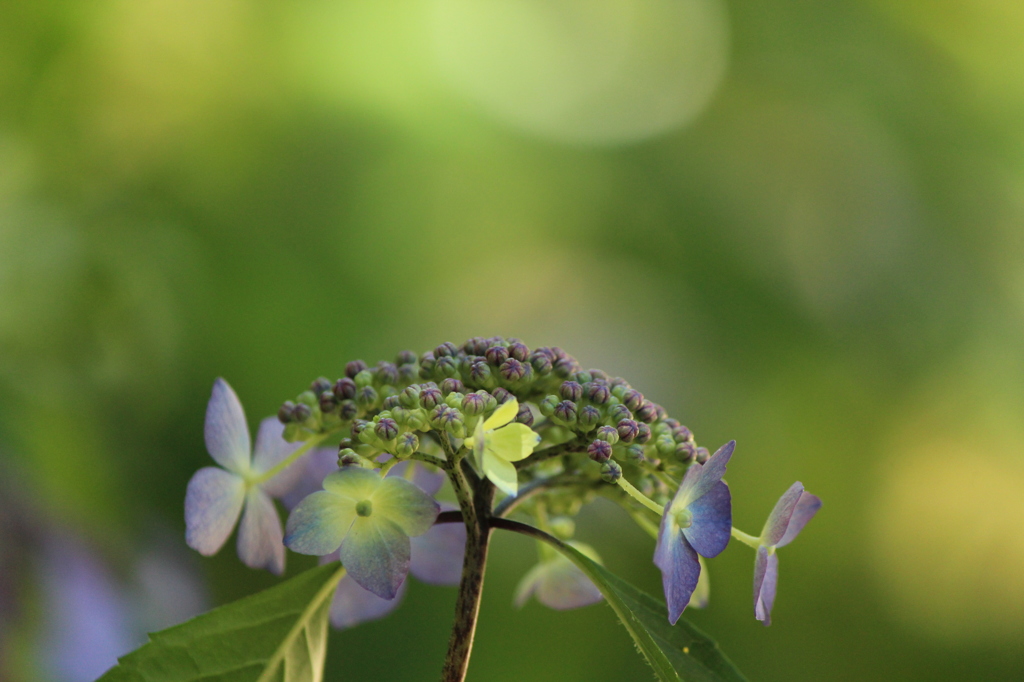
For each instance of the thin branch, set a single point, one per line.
(547, 453)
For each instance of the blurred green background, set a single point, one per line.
(795, 224)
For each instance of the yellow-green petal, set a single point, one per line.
(505, 413)
(512, 443)
(353, 483)
(501, 472)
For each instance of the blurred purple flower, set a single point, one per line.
(791, 513)
(558, 583)
(215, 497)
(697, 521)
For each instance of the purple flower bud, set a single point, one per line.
(286, 413)
(703, 455)
(453, 422)
(682, 434)
(446, 349)
(452, 386)
(496, 355)
(519, 351)
(348, 457)
(619, 412)
(406, 357)
(672, 424)
(347, 410)
(660, 411)
(474, 404)
(345, 389)
(611, 472)
(589, 417)
(643, 433)
(480, 373)
(387, 373)
(301, 413)
(358, 426)
(386, 429)
(564, 367)
(427, 361)
(320, 385)
(366, 396)
(633, 399)
(565, 412)
(628, 430)
(686, 452)
(327, 401)
(570, 390)
(430, 397)
(525, 414)
(408, 373)
(355, 367)
(616, 382)
(608, 434)
(475, 346)
(502, 395)
(541, 363)
(408, 443)
(390, 403)
(648, 412)
(598, 394)
(547, 405)
(600, 451)
(512, 370)
(598, 375)
(446, 367)
(635, 452)
(437, 416)
(410, 397)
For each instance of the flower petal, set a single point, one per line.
(680, 568)
(513, 442)
(766, 578)
(376, 554)
(260, 543)
(315, 466)
(702, 593)
(501, 472)
(213, 502)
(713, 470)
(563, 585)
(319, 524)
(437, 555)
(775, 527)
(712, 521)
(805, 510)
(404, 504)
(427, 478)
(271, 449)
(226, 431)
(353, 483)
(353, 605)
(684, 494)
(505, 413)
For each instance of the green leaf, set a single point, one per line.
(678, 652)
(277, 634)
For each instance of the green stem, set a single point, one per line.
(429, 459)
(746, 539)
(546, 454)
(290, 459)
(640, 497)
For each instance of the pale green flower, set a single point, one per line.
(497, 443)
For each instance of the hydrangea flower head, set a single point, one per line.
(216, 496)
(497, 443)
(558, 583)
(370, 519)
(791, 513)
(697, 521)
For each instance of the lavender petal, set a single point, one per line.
(271, 449)
(260, 543)
(775, 527)
(713, 470)
(679, 566)
(402, 503)
(806, 508)
(766, 578)
(436, 556)
(314, 468)
(353, 605)
(423, 476)
(319, 524)
(376, 554)
(213, 501)
(711, 521)
(226, 431)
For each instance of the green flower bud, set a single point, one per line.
(599, 394)
(608, 434)
(386, 429)
(454, 400)
(562, 527)
(598, 375)
(355, 367)
(618, 413)
(366, 397)
(542, 363)
(611, 472)
(390, 403)
(446, 349)
(407, 374)
(565, 413)
(406, 357)
(427, 362)
(665, 446)
(408, 443)
(570, 390)
(348, 457)
(635, 452)
(410, 396)
(633, 399)
(525, 415)
(703, 455)
(648, 412)
(452, 386)
(492, 401)
(358, 426)
(564, 367)
(480, 373)
(496, 355)
(589, 417)
(583, 377)
(430, 396)
(387, 373)
(474, 404)
(309, 399)
(475, 346)
(513, 370)
(364, 378)
(446, 367)
(643, 433)
(547, 405)
(519, 351)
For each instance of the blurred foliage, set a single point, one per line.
(804, 231)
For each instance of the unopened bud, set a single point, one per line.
(633, 399)
(345, 389)
(286, 413)
(427, 362)
(320, 385)
(364, 378)
(452, 386)
(582, 377)
(628, 430)
(387, 373)
(643, 433)
(408, 443)
(648, 412)
(665, 445)
(430, 397)
(608, 434)
(496, 355)
(436, 416)
(480, 373)
(358, 426)
(408, 373)
(547, 405)
(589, 417)
(301, 413)
(598, 375)
(618, 413)
(348, 457)
(519, 351)
(502, 395)
(564, 367)
(565, 412)
(541, 363)
(525, 414)
(406, 357)
(446, 350)
(598, 394)
(390, 403)
(562, 527)
(512, 370)
(366, 396)
(446, 367)
(475, 346)
(703, 455)
(686, 452)
(682, 434)
(611, 472)
(570, 390)
(347, 410)
(353, 368)
(410, 397)
(600, 450)
(327, 401)
(635, 452)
